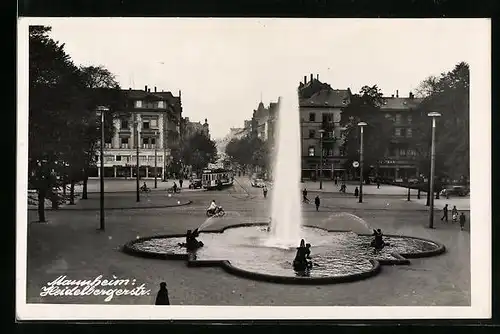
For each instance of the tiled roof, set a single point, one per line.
(327, 98)
(400, 103)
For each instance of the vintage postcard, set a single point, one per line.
(253, 169)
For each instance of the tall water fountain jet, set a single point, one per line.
(286, 212)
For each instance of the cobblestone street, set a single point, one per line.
(70, 245)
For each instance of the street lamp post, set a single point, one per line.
(156, 157)
(433, 115)
(101, 111)
(136, 123)
(321, 132)
(361, 127)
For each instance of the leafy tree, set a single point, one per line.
(249, 151)
(198, 151)
(365, 107)
(450, 97)
(54, 80)
(63, 127)
(101, 89)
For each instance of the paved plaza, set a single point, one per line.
(69, 244)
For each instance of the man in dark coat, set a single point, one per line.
(162, 296)
(316, 202)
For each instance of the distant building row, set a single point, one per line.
(321, 105)
(153, 121)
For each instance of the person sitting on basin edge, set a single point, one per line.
(191, 242)
(378, 242)
(301, 261)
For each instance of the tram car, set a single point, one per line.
(217, 178)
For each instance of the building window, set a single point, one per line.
(398, 118)
(145, 142)
(409, 132)
(107, 145)
(118, 158)
(312, 133)
(138, 104)
(145, 125)
(403, 132)
(311, 151)
(327, 117)
(330, 152)
(124, 143)
(154, 123)
(153, 142)
(411, 152)
(312, 117)
(402, 152)
(397, 132)
(124, 124)
(409, 119)
(109, 158)
(161, 104)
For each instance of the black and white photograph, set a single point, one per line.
(253, 168)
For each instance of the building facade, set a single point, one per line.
(264, 120)
(320, 108)
(399, 161)
(150, 120)
(191, 128)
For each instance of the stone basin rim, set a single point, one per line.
(400, 259)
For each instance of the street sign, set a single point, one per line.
(355, 164)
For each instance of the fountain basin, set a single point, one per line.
(244, 250)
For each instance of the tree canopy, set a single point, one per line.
(198, 151)
(63, 127)
(249, 151)
(365, 107)
(448, 95)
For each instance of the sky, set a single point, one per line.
(224, 66)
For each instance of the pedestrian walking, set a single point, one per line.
(304, 196)
(316, 202)
(356, 192)
(454, 214)
(264, 191)
(445, 213)
(343, 188)
(174, 187)
(378, 183)
(180, 182)
(462, 221)
(336, 180)
(162, 295)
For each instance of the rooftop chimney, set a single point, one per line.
(129, 88)
(397, 93)
(392, 95)
(149, 90)
(317, 77)
(155, 89)
(146, 88)
(305, 79)
(180, 93)
(312, 77)
(206, 121)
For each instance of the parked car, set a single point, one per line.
(258, 183)
(455, 191)
(195, 184)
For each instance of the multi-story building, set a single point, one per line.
(264, 121)
(150, 120)
(191, 128)
(399, 160)
(320, 109)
